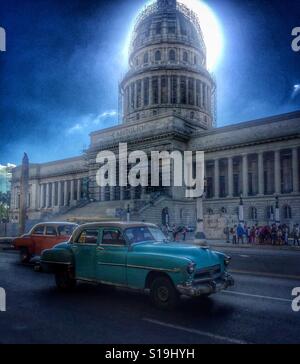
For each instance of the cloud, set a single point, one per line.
(88, 121)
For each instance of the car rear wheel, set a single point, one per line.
(64, 281)
(163, 294)
(24, 255)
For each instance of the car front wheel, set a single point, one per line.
(163, 293)
(64, 281)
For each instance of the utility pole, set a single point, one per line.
(23, 194)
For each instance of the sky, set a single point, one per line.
(59, 75)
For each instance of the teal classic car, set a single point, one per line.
(139, 256)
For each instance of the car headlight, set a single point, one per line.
(227, 260)
(191, 268)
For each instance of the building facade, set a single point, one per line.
(168, 104)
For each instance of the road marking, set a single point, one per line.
(265, 274)
(197, 332)
(258, 296)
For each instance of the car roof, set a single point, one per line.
(55, 223)
(119, 224)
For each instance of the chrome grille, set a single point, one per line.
(207, 274)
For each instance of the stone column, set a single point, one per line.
(53, 195)
(59, 194)
(112, 193)
(42, 196)
(295, 161)
(65, 193)
(277, 172)
(245, 175)
(217, 179)
(79, 189)
(260, 158)
(230, 177)
(72, 192)
(102, 193)
(142, 92)
(47, 195)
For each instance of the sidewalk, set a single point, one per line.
(223, 244)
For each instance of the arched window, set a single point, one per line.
(287, 212)
(157, 56)
(185, 57)
(210, 211)
(253, 213)
(172, 55)
(146, 57)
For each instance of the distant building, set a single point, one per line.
(5, 177)
(168, 104)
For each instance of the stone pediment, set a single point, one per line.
(133, 132)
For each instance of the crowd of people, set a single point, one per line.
(268, 234)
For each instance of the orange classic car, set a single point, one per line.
(42, 236)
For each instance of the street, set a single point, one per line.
(256, 310)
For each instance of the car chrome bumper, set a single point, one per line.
(212, 286)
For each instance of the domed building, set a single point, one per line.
(168, 73)
(168, 105)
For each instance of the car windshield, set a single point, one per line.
(140, 234)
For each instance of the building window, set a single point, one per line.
(157, 56)
(195, 59)
(139, 93)
(223, 210)
(198, 93)
(155, 90)
(146, 57)
(210, 211)
(191, 91)
(164, 90)
(183, 29)
(185, 57)
(171, 28)
(172, 56)
(158, 28)
(253, 213)
(146, 91)
(137, 61)
(287, 212)
(174, 90)
(183, 90)
(132, 89)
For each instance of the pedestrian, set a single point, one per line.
(296, 234)
(252, 235)
(234, 236)
(274, 236)
(240, 233)
(226, 232)
(184, 231)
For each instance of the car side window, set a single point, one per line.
(65, 230)
(39, 230)
(50, 230)
(112, 237)
(88, 236)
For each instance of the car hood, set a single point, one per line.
(202, 256)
